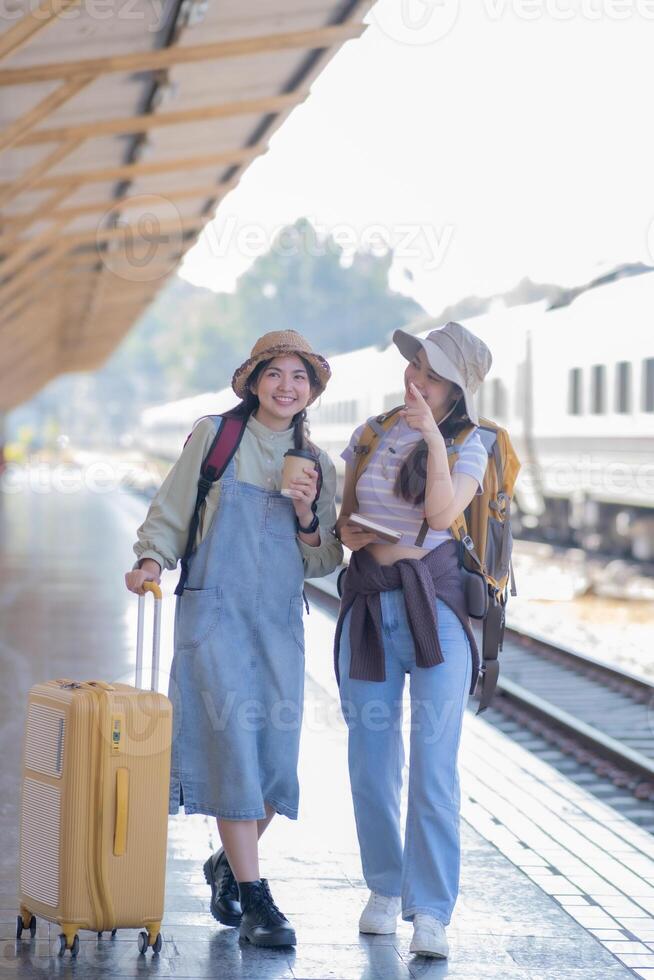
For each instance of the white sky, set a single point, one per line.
(520, 142)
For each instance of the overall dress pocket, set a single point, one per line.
(280, 519)
(197, 616)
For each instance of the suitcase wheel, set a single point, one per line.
(144, 942)
(63, 945)
(20, 925)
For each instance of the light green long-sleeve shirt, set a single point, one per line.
(258, 460)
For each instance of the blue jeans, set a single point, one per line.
(425, 871)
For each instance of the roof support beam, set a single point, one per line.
(67, 243)
(20, 128)
(132, 170)
(34, 176)
(44, 15)
(31, 247)
(130, 232)
(322, 37)
(20, 222)
(75, 279)
(17, 224)
(8, 290)
(144, 123)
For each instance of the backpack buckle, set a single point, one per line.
(361, 450)
(467, 542)
(204, 484)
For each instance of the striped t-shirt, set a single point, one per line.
(375, 488)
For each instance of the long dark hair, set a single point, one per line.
(411, 482)
(250, 404)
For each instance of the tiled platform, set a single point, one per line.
(64, 612)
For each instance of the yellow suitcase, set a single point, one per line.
(94, 810)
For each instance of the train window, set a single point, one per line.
(623, 387)
(575, 401)
(648, 384)
(598, 389)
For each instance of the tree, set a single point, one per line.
(193, 338)
(190, 339)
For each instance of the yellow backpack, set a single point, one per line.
(483, 532)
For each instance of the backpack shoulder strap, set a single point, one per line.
(459, 527)
(225, 443)
(373, 431)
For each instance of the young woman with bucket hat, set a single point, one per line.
(237, 677)
(403, 612)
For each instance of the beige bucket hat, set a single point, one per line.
(456, 354)
(276, 344)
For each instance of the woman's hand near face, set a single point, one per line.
(419, 415)
(303, 490)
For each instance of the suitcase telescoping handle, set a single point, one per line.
(157, 593)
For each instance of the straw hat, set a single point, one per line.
(277, 344)
(456, 354)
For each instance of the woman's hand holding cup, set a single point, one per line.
(302, 490)
(300, 482)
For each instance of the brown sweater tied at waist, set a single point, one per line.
(423, 580)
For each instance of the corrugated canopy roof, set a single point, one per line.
(123, 125)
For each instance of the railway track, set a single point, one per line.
(591, 721)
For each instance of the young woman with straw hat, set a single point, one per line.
(403, 612)
(237, 677)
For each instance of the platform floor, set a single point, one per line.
(552, 885)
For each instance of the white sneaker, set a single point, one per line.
(429, 937)
(380, 914)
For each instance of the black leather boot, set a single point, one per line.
(262, 923)
(225, 905)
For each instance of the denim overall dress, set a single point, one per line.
(237, 676)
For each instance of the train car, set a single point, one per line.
(590, 412)
(163, 428)
(573, 385)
